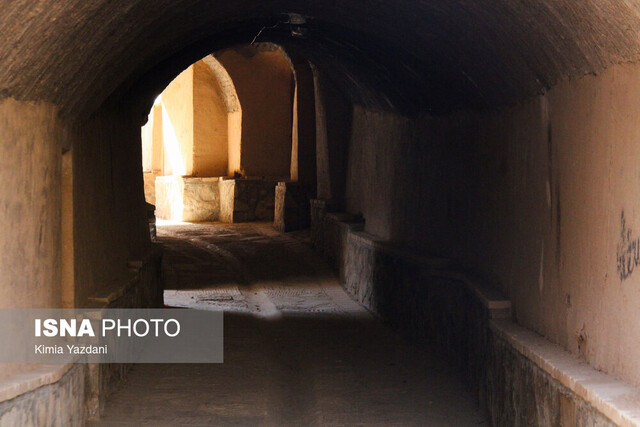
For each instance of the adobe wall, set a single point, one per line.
(30, 203)
(263, 79)
(193, 129)
(516, 374)
(178, 124)
(211, 124)
(333, 133)
(103, 191)
(303, 152)
(31, 136)
(152, 151)
(110, 223)
(540, 199)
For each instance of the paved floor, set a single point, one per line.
(298, 350)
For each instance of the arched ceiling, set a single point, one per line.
(434, 55)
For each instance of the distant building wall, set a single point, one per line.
(210, 120)
(264, 82)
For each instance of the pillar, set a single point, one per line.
(30, 204)
(333, 131)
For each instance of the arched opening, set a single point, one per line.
(194, 127)
(191, 142)
(225, 132)
(264, 79)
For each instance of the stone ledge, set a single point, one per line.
(490, 298)
(105, 296)
(25, 382)
(613, 398)
(110, 293)
(379, 244)
(471, 323)
(493, 300)
(175, 178)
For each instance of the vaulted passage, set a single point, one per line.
(467, 170)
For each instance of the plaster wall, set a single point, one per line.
(516, 374)
(541, 199)
(226, 91)
(110, 223)
(51, 259)
(157, 151)
(147, 142)
(178, 124)
(194, 128)
(152, 151)
(235, 143)
(263, 79)
(211, 124)
(30, 204)
(303, 152)
(31, 137)
(333, 133)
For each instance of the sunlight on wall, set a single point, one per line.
(171, 146)
(174, 197)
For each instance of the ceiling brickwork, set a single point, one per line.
(407, 55)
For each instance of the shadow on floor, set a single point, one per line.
(298, 350)
(298, 370)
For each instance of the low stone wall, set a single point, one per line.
(142, 289)
(187, 199)
(201, 199)
(329, 233)
(227, 200)
(58, 401)
(214, 199)
(519, 377)
(518, 390)
(291, 207)
(149, 187)
(254, 200)
(68, 395)
(168, 197)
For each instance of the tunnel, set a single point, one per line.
(456, 237)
